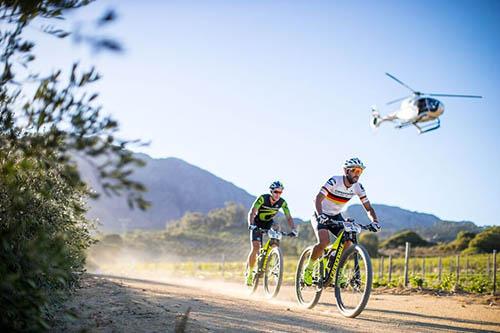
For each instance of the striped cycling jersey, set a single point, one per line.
(337, 194)
(266, 211)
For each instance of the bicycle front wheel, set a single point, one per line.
(273, 276)
(307, 296)
(353, 281)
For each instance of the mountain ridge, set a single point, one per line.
(176, 187)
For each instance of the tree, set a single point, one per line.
(45, 119)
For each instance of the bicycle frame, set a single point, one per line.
(264, 253)
(328, 264)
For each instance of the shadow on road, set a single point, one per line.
(427, 325)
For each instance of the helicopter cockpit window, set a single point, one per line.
(427, 104)
(422, 105)
(433, 104)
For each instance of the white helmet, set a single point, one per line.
(354, 163)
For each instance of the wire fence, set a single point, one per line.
(473, 273)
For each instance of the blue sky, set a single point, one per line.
(255, 91)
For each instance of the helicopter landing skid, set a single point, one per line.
(427, 127)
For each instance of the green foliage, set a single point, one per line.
(399, 240)
(45, 119)
(485, 241)
(370, 242)
(478, 284)
(447, 283)
(416, 281)
(43, 234)
(459, 244)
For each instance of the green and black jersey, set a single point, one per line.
(266, 211)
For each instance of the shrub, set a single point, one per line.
(399, 239)
(485, 241)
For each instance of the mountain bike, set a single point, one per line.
(269, 263)
(348, 271)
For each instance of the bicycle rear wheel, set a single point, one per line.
(307, 296)
(273, 274)
(353, 281)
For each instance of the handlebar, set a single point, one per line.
(335, 223)
(289, 234)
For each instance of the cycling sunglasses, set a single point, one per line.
(356, 171)
(277, 192)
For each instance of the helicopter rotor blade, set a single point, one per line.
(400, 82)
(452, 95)
(396, 100)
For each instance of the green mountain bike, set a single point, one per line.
(269, 263)
(348, 271)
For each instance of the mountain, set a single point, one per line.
(177, 187)
(174, 188)
(395, 219)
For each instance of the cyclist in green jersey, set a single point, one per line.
(261, 216)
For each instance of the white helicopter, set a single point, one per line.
(419, 109)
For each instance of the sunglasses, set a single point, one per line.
(278, 192)
(356, 171)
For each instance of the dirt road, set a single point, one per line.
(116, 304)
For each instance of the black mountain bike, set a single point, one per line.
(348, 271)
(269, 263)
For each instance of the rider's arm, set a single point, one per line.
(319, 198)
(370, 212)
(255, 208)
(360, 191)
(251, 215)
(289, 219)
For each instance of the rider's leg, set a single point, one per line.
(252, 256)
(323, 241)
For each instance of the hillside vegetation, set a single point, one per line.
(44, 117)
(197, 236)
(223, 232)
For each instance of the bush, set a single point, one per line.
(400, 239)
(45, 121)
(485, 241)
(43, 235)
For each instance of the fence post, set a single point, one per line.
(458, 271)
(223, 262)
(494, 272)
(390, 269)
(488, 266)
(407, 258)
(440, 268)
(381, 268)
(423, 268)
(466, 265)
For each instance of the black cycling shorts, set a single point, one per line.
(333, 229)
(256, 235)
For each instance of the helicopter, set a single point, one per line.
(418, 109)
